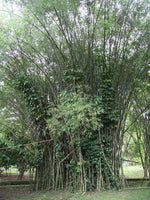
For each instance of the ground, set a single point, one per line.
(25, 192)
(133, 171)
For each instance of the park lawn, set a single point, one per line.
(129, 171)
(143, 194)
(24, 193)
(133, 171)
(13, 170)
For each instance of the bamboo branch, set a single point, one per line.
(28, 144)
(66, 157)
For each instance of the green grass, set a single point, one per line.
(122, 195)
(129, 171)
(13, 170)
(133, 171)
(24, 193)
(140, 183)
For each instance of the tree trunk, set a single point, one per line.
(44, 171)
(21, 173)
(145, 172)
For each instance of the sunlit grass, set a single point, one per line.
(133, 171)
(13, 170)
(129, 171)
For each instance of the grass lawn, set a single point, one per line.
(133, 171)
(129, 171)
(13, 170)
(24, 193)
(122, 195)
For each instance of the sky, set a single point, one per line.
(7, 9)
